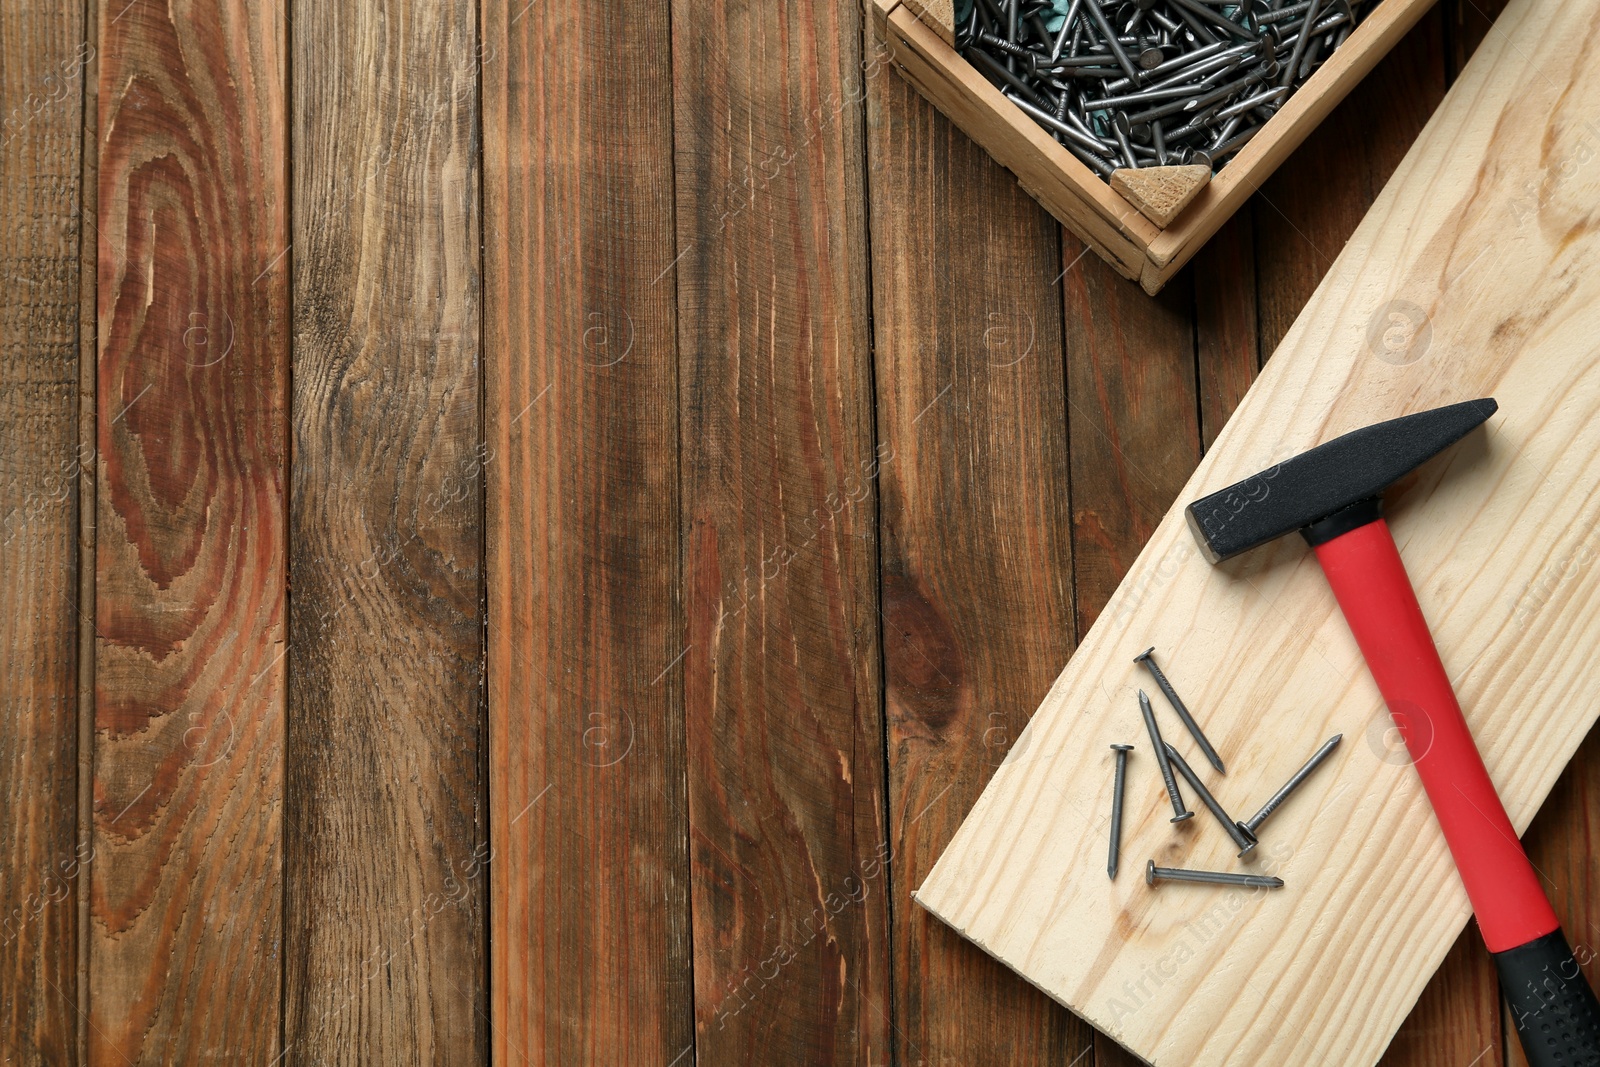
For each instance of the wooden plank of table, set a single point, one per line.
(43, 57)
(1132, 414)
(1227, 349)
(1453, 200)
(190, 552)
(976, 564)
(585, 611)
(386, 844)
(788, 845)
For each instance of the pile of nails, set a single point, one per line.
(1138, 83)
(1168, 758)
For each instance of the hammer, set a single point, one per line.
(1333, 495)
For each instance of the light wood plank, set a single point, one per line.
(385, 839)
(1260, 648)
(585, 610)
(191, 546)
(44, 53)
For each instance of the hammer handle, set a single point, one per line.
(1557, 1015)
(1370, 581)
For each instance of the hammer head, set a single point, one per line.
(1331, 477)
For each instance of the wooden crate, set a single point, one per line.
(919, 35)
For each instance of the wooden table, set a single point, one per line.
(526, 529)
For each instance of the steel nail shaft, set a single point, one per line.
(1180, 812)
(1245, 839)
(1116, 808)
(1154, 874)
(1255, 821)
(1147, 658)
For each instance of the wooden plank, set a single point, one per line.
(385, 838)
(1132, 416)
(585, 613)
(1227, 349)
(43, 55)
(1308, 209)
(977, 556)
(1484, 545)
(190, 551)
(782, 682)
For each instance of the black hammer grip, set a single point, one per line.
(1557, 1017)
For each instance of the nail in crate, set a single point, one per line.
(1141, 125)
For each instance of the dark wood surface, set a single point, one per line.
(44, 65)
(385, 823)
(589, 894)
(577, 503)
(191, 547)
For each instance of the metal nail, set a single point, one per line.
(1154, 874)
(1179, 810)
(1117, 786)
(1241, 837)
(1253, 824)
(1147, 657)
(1066, 26)
(1119, 126)
(1099, 17)
(1299, 47)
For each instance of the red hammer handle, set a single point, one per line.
(1372, 587)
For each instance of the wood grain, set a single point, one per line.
(976, 553)
(42, 62)
(1485, 545)
(190, 552)
(788, 847)
(385, 837)
(1132, 417)
(589, 930)
(1227, 349)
